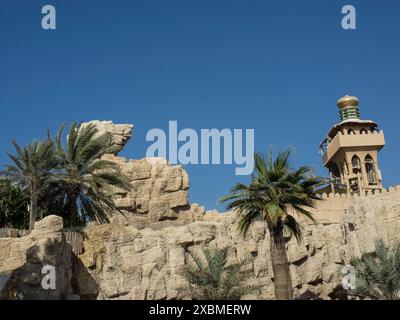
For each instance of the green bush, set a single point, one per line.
(13, 206)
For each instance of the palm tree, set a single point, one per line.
(378, 275)
(83, 184)
(31, 171)
(274, 192)
(214, 278)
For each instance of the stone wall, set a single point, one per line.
(129, 263)
(333, 206)
(141, 254)
(22, 260)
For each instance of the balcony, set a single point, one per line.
(373, 139)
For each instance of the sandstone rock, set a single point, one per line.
(152, 262)
(121, 132)
(50, 224)
(160, 210)
(142, 253)
(159, 191)
(125, 262)
(157, 160)
(23, 260)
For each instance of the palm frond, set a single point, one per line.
(213, 278)
(85, 182)
(274, 189)
(378, 275)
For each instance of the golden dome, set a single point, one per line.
(347, 101)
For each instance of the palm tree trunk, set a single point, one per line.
(72, 208)
(32, 211)
(280, 265)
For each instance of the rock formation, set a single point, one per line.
(22, 261)
(140, 254)
(159, 193)
(129, 263)
(120, 132)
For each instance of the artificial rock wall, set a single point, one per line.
(129, 263)
(159, 193)
(140, 254)
(22, 261)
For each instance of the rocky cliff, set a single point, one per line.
(129, 263)
(140, 254)
(159, 193)
(121, 132)
(22, 262)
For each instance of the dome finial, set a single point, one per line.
(348, 108)
(347, 101)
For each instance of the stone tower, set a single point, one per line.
(350, 151)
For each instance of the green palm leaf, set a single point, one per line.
(83, 186)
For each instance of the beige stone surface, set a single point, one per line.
(22, 260)
(140, 254)
(145, 264)
(121, 132)
(159, 192)
(124, 261)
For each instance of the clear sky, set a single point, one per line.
(275, 66)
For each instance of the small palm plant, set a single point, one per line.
(214, 278)
(274, 192)
(83, 185)
(31, 171)
(378, 275)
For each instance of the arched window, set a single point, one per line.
(363, 131)
(335, 171)
(350, 131)
(335, 175)
(356, 164)
(370, 169)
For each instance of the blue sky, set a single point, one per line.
(275, 66)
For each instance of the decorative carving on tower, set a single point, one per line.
(350, 151)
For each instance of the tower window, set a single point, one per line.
(370, 168)
(356, 164)
(351, 131)
(363, 131)
(335, 171)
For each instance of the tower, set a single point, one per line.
(350, 151)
